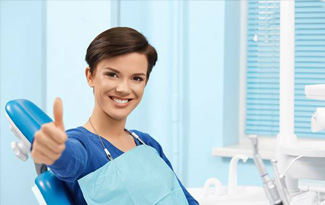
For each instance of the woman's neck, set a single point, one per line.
(105, 126)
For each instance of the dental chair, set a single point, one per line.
(25, 119)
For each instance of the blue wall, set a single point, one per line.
(70, 27)
(190, 103)
(22, 74)
(206, 85)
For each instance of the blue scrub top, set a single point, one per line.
(84, 154)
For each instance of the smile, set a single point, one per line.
(120, 102)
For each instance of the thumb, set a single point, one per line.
(58, 113)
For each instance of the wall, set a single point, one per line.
(68, 36)
(22, 73)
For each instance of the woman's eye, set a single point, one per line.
(137, 78)
(111, 75)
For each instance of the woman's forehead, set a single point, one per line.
(133, 62)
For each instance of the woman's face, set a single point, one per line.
(119, 84)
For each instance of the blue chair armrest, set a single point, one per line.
(52, 189)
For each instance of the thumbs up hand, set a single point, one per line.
(49, 141)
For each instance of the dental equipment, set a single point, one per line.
(317, 92)
(269, 185)
(301, 159)
(280, 183)
(289, 147)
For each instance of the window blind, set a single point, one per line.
(309, 61)
(262, 72)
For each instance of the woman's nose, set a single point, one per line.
(123, 88)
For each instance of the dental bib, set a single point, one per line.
(138, 176)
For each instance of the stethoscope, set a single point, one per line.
(108, 154)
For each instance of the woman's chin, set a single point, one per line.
(118, 117)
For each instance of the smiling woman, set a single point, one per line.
(119, 84)
(102, 162)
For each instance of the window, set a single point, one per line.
(262, 74)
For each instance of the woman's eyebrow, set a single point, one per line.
(112, 69)
(116, 71)
(139, 74)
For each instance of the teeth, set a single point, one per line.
(120, 101)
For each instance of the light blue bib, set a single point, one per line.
(139, 176)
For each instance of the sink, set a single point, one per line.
(214, 193)
(244, 195)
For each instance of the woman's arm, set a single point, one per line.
(72, 162)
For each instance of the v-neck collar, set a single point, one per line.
(108, 142)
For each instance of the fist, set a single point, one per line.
(49, 141)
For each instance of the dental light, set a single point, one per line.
(317, 92)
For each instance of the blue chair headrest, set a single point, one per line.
(27, 117)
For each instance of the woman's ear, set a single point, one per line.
(89, 77)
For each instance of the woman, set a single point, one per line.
(101, 162)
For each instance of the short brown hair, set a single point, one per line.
(118, 41)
